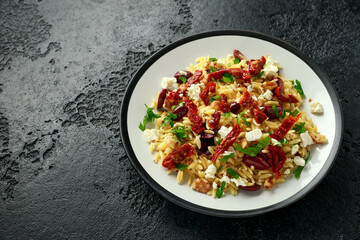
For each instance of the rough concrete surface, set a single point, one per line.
(64, 66)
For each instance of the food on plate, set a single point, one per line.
(230, 125)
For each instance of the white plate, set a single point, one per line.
(147, 82)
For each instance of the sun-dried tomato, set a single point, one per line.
(259, 115)
(161, 99)
(217, 75)
(238, 54)
(285, 127)
(255, 66)
(246, 100)
(177, 75)
(290, 98)
(177, 156)
(194, 78)
(227, 142)
(198, 124)
(277, 159)
(224, 105)
(172, 99)
(280, 83)
(215, 119)
(204, 95)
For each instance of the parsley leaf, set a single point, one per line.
(181, 166)
(275, 111)
(168, 120)
(220, 166)
(232, 173)
(213, 59)
(225, 158)
(183, 79)
(240, 116)
(299, 169)
(283, 141)
(294, 113)
(226, 115)
(218, 142)
(300, 128)
(236, 60)
(180, 133)
(150, 116)
(212, 69)
(215, 98)
(220, 191)
(298, 87)
(227, 78)
(253, 151)
(261, 73)
(213, 79)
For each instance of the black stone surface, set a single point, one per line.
(64, 66)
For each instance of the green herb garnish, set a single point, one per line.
(226, 115)
(218, 142)
(300, 128)
(225, 158)
(240, 116)
(299, 169)
(180, 133)
(213, 59)
(168, 120)
(283, 114)
(236, 60)
(298, 87)
(212, 69)
(183, 79)
(220, 191)
(259, 75)
(219, 168)
(232, 173)
(294, 113)
(181, 166)
(215, 98)
(283, 141)
(150, 116)
(213, 79)
(227, 78)
(253, 151)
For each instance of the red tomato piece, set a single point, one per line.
(204, 95)
(227, 142)
(285, 127)
(215, 119)
(224, 105)
(177, 156)
(290, 98)
(277, 159)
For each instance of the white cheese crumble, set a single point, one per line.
(306, 139)
(210, 171)
(316, 107)
(225, 179)
(294, 149)
(169, 83)
(194, 91)
(219, 62)
(275, 142)
(266, 96)
(223, 131)
(270, 68)
(254, 97)
(238, 182)
(183, 73)
(253, 135)
(287, 172)
(151, 134)
(214, 185)
(250, 88)
(229, 151)
(299, 161)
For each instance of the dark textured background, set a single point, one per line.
(64, 66)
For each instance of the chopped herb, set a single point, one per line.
(219, 168)
(173, 106)
(218, 142)
(240, 116)
(220, 191)
(275, 111)
(300, 128)
(212, 69)
(297, 86)
(150, 116)
(283, 114)
(226, 115)
(225, 158)
(180, 133)
(181, 166)
(232, 173)
(294, 113)
(299, 169)
(215, 98)
(213, 79)
(283, 141)
(213, 59)
(236, 60)
(253, 151)
(183, 79)
(168, 120)
(261, 73)
(227, 78)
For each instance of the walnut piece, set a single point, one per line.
(201, 185)
(318, 138)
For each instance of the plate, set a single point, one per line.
(178, 55)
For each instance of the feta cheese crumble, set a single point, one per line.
(270, 68)
(294, 149)
(169, 83)
(194, 91)
(275, 142)
(182, 73)
(299, 161)
(223, 131)
(266, 96)
(214, 185)
(316, 107)
(287, 172)
(151, 135)
(253, 135)
(210, 171)
(238, 182)
(229, 151)
(306, 139)
(250, 88)
(225, 179)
